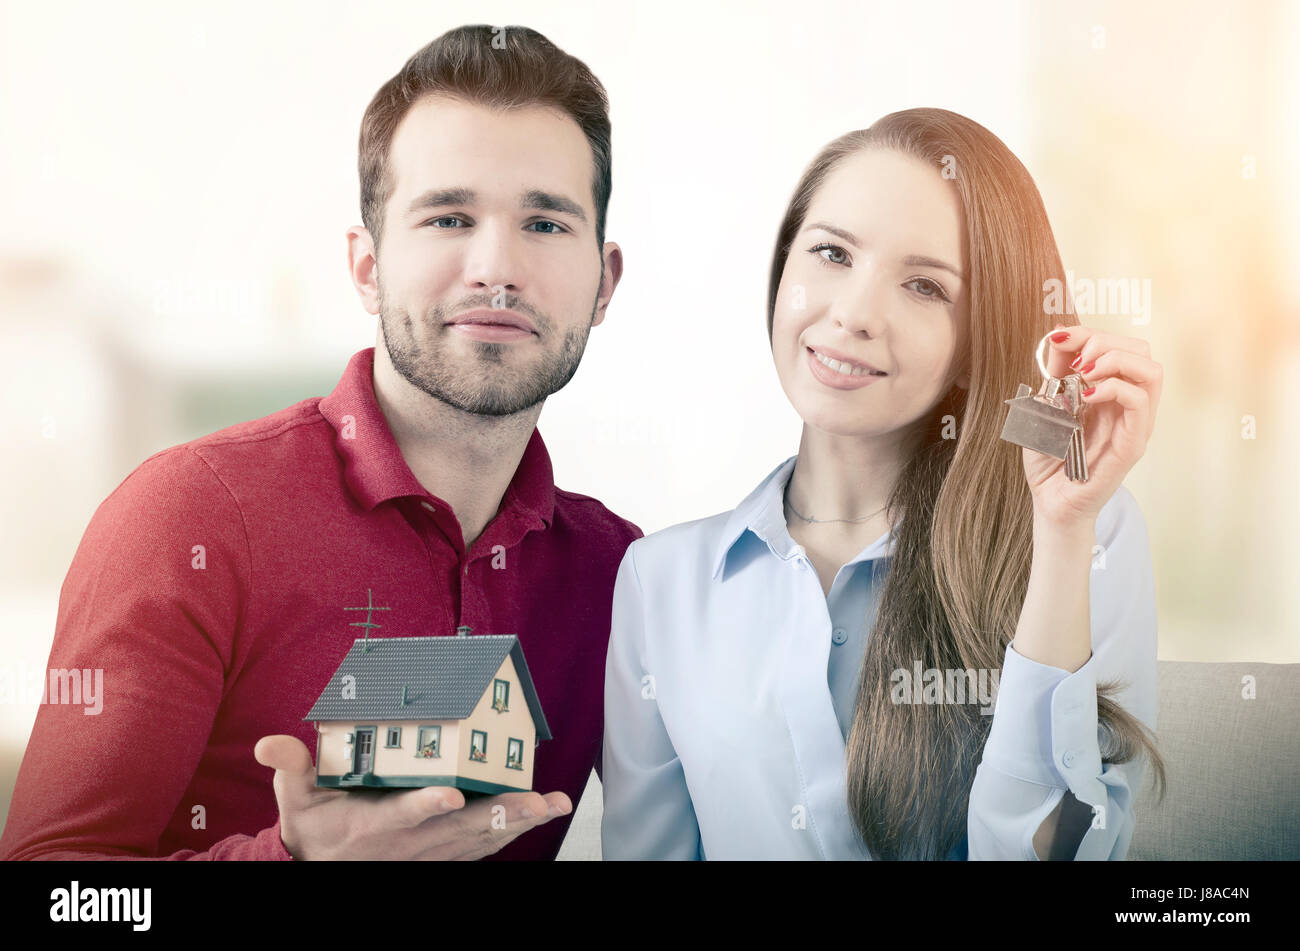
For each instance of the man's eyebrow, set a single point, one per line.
(912, 260)
(533, 198)
(438, 197)
(545, 201)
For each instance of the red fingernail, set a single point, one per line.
(1074, 364)
(1089, 391)
(1088, 369)
(1061, 337)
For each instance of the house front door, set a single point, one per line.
(365, 754)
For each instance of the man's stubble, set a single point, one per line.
(488, 385)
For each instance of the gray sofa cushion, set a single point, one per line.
(1232, 764)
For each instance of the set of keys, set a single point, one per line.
(1051, 421)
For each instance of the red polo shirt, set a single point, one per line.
(210, 588)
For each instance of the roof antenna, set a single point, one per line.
(370, 606)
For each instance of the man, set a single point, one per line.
(212, 586)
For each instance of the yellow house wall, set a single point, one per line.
(516, 722)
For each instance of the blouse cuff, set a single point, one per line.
(1045, 726)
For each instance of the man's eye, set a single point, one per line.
(434, 221)
(834, 248)
(929, 289)
(551, 223)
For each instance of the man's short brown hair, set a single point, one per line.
(502, 67)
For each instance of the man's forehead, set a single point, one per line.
(444, 142)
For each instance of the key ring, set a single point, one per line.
(1055, 388)
(1038, 355)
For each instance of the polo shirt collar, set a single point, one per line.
(374, 468)
(763, 513)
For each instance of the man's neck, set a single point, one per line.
(462, 458)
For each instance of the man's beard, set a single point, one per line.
(486, 384)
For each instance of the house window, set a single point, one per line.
(394, 737)
(515, 754)
(430, 737)
(500, 695)
(478, 746)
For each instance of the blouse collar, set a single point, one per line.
(763, 513)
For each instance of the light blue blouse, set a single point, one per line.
(731, 679)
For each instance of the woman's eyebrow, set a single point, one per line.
(912, 260)
(920, 260)
(838, 232)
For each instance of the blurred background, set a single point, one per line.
(176, 183)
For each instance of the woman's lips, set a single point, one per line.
(835, 379)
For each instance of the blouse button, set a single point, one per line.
(839, 635)
(1067, 759)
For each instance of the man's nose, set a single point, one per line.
(493, 258)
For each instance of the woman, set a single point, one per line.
(780, 679)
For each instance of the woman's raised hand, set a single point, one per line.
(1122, 389)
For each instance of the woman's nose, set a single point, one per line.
(858, 306)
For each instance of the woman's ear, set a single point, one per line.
(963, 381)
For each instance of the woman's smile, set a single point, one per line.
(839, 374)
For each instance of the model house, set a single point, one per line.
(430, 711)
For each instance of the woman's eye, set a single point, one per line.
(929, 288)
(835, 249)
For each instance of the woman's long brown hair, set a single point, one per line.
(960, 568)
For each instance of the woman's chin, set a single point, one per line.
(838, 422)
(831, 412)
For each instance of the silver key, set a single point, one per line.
(1076, 460)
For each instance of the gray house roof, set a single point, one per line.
(444, 679)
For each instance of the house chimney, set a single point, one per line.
(463, 630)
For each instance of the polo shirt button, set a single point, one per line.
(428, 506)
(1067, 759)
(839, 635)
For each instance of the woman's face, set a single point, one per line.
(875, 277)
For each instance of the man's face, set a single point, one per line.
(491, 219)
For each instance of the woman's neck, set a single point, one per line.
(844, 477)
(838, 477)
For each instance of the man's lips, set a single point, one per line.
(493, 325)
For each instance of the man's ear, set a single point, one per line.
(613, 257)
(363, 267)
